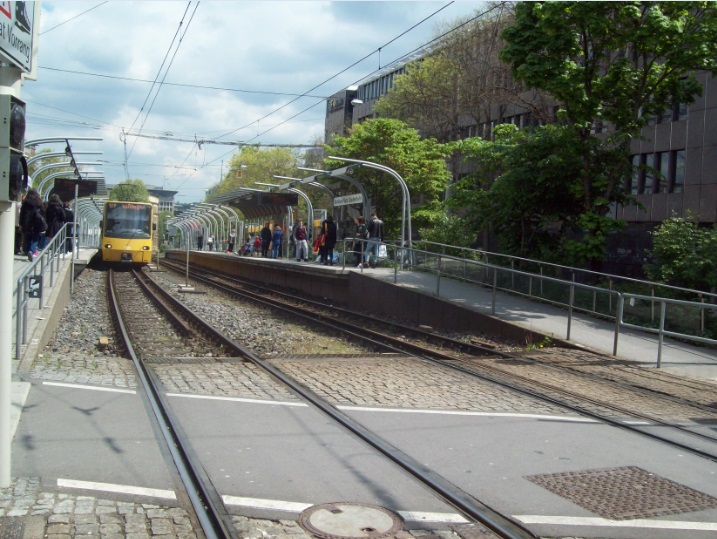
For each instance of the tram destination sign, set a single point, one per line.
(65, 188)
(277, 199)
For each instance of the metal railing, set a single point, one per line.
(685, 320)
(34, 282)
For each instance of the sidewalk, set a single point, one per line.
(41, 320)
(591, 333)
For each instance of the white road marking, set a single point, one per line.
(637, 523)
(238, 399)
(418, 516)
(296, 507)
(91, 388)
(389, 410)
(121, 489)
(466, 413)
(259, 503)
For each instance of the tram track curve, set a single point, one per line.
(466, 504)
(471, 358)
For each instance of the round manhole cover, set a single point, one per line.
(345, 520)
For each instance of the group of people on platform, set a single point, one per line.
(37, 222)
(268, 243)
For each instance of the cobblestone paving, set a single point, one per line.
(244, 380)
(79, 368)
(623, 396)
(405, 383)
(63, 516)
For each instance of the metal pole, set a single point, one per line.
(495, 288)
(663, 309)
(618, 321)
(570, 309)
(438, 278)
(72, 242)
(7, 239)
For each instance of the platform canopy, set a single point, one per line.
(255, 203)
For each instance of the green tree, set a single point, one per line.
(684, 254)
(420, 162)
(254, 164)
(610, 63)
(162, 228)
(462, 82)
(524, 188)
(130, 191)
(38, 164)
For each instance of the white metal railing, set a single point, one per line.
(34, 282)
(573, 271)
(605, 303)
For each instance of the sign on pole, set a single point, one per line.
(17, 20)
(348, 199)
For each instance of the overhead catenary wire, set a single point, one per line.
(166, 71)
(401, 58)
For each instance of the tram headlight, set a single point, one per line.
(108, 246)
(145, 247)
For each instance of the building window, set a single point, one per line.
(662, 164)
(648, 180)
(667, 115)
(678, 171)
(681, 111)
(633, 181)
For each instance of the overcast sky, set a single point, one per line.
(240, 72)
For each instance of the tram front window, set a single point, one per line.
(124, 220)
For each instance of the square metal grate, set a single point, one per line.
(624, 493)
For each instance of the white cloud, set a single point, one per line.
(261, 46)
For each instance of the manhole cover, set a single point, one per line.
(625, 493)
(345, 520)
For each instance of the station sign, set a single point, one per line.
(34, 286)
(17, 27)
(348, 199)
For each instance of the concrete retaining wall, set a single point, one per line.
(362, 292)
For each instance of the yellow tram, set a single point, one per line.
(129, 232)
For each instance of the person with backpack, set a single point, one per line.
(360, 240)
(375, 239)
(55, 216)
(330, 232)
(32, 222)
(69, 218)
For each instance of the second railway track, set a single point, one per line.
(621, 395)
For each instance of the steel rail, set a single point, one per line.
(439, 358)
(452, 494)
(209, 518)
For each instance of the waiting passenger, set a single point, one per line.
(231, 241)
(276, 239)
(32, 222)
(302, 247)
(330, 232)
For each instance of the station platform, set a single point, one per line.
(540, 318)
(589, 333)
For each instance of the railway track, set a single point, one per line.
(206, 502)
(150, 330)
(618, 396)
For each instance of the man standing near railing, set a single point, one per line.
(375, 238)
